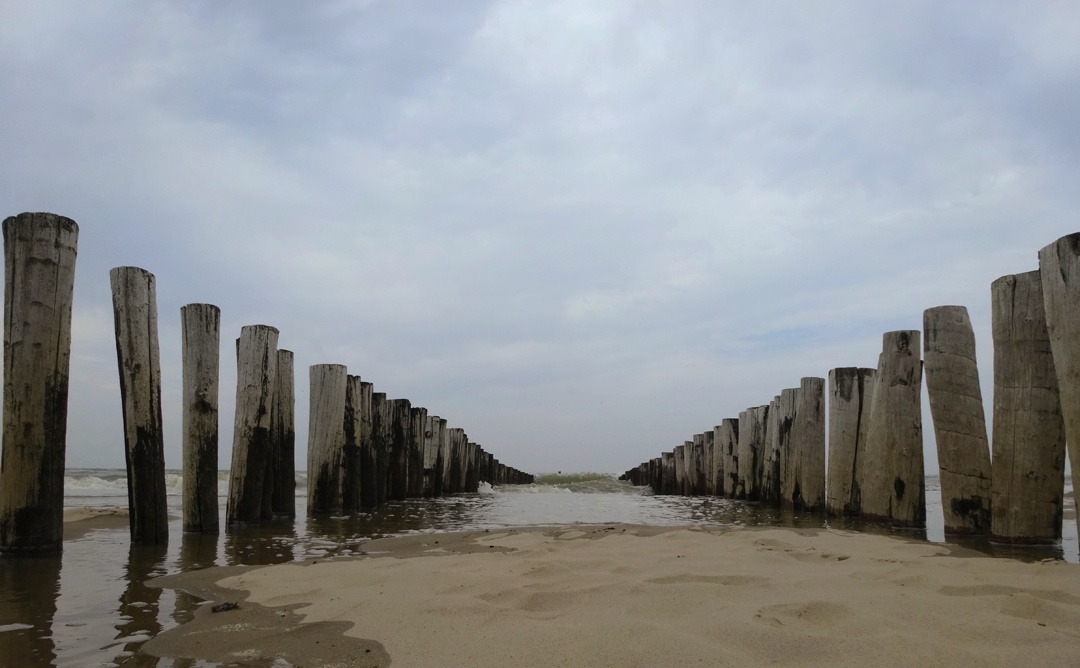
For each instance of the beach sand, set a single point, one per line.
(637, 596)
(80, 521)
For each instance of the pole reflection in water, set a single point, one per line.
(140, 608)
(29, 587)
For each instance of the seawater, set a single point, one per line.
(91, 606)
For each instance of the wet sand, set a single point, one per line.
(625, 595)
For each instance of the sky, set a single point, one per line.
(581, 231)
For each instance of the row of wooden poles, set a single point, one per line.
(363, 449)
(775, 453)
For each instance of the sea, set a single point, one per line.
(91, 606)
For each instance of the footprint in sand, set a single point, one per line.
(819, 614)
(725, 580)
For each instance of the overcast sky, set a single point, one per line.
(582, 231)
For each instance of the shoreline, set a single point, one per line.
(635, 595)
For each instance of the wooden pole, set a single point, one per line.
(369, 460)
(380, 437)
(1027, 483)
(417, 439)
(668, 473)
(200, 326)
(283, 437)
(352, 468)
(697, 466)
(787, 446)
(709, 439)
(135, 317)
(729, 449)
(431, 455)
(400, 443)
(893, 486)
(1059, 268)
(851, 392)
(770, 469)
(443, 461)
(808, 439)
(39, 278)
(680, 469)
(956, 406)
(326, 438)
(256, 376)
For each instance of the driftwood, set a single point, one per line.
(138, 358)
(1027, 483)
(39, 276)
(956, 406)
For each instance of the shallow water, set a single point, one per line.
(91, 606)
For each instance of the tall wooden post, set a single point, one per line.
(200, 326)
(442, 458)
(680, 469)
(709, 440)
(729, 449)
(770, 469)
(256, 376)
(135, 317)
(39, 278)
(1059, 268)
(956, 406)
(808, 439)
(400, 444)
(431, 456)
(893, 480)
(668, 473)
(352, 468)
(697, 466)
(851, 391)
(457, 460)
(787, 445)
(283, 437)
(417, 437)
(369, 461)
(373, 487)
(326, 438)
(751, 431)
(1027, 483)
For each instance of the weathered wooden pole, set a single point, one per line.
(431, 455)
(787, 446)
(472, 479)
(1027, 483)
(1059, 268)
(443, 460)
(135, 317)
(851, 391)
(200, 326)
(709, 445)
(370, 447)
(698, 471)
(400, 443)
(680, 469)
(747, 458)
(352, 468)
(956, 407)
(39, 278)
(283, 437)
(808, 438)
(893, 486)
(256, 377)
(326, 438)
(729, 449)
(417, 430)
(770, 468)
(667, 473)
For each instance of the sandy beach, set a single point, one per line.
(626, 595)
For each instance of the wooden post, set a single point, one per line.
(668, 473)
(417, 430)
(729, 449)
(893, 487)
(443, 465)
(808, 440)
(283, 437)
(380, 445)
(326, 438)
(39, 276)
(956, 406)
(851, 391)
(400, 443)
(1027, 483)
(472, 480)
(1059, 268)
(458, 440)
(709, 445)
(256, 376)
(352, 467)
(200, 326)
(770, 469)
(789, 403)
(431, 455)
(369, 461)
(135, 317)
(752, 423)
(680, 469)
(697, 466)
